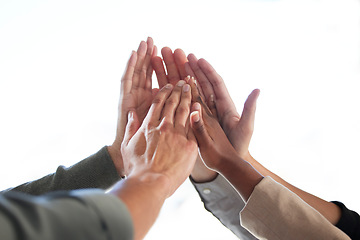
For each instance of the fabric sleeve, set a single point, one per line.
(224, 202)
(274, 212)
(81, 214)
(96, 171)
(349, 221)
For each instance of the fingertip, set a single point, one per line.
(149, 39)
(166, 50)
(195, 117)
(196, 106)
(130, 115)
(186, 88)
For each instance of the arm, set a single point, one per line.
(271, 211)
(96, 171)
(160, 151)
(159, 156)
(81, 214)
(239, 129)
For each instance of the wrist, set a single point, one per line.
(116, 157)
(157, 183)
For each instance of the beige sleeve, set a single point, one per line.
(274, 212)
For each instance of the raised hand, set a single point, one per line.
(175, 66)
(135, 95)
(163, 144)
(238, 129)
(219, 155)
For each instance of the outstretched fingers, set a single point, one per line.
(248, 115)
(173, 75)
(172, 102)
(157, 105)
(127, 78)
(205, 84)
(139, 73)
(158, 65)
(199, 126)
(183, 110)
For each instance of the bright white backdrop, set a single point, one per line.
(61, 62)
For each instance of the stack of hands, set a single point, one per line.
(160, 130)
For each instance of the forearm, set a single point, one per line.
(144, 196)
(241, 175)
(81, 214)
(328, 209)
(96, 171)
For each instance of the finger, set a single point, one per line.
(188, 70)
(132, 126)
(248, 115)
(198, 126)
(126, 80)
(157, 105)
(183, 110)
(197, 97)
(172, 71)
(204, 82)
(146, 63)
(138, 72)
(214, 78)
(212, 106)
(180, 60)
(158, 65)
(172, 102)
(150, 70)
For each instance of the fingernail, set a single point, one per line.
(196, 116)
(193, 79)
(186, 88)
(211, 98)
(187, 78)
(197, 106)
(168, 86)
(130, 115)
(180, 83)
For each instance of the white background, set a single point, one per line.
(61, 64)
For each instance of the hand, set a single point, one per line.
(175, 66)
(163, 145)
(135, 95)
(219, 155)
(238, 129)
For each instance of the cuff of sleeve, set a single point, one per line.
(215, 190)
(111, 211)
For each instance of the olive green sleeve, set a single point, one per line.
(79, 214)
(96, 171)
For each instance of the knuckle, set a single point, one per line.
(171, 101)
(183, 110)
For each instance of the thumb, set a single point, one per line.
(198, 126)
(132, 126)
(248, 114)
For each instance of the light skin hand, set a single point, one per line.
(164, 141)
(177, 67)
(135, 95)
(219, 155)
(160, 154)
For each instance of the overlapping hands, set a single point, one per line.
(222, 126)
